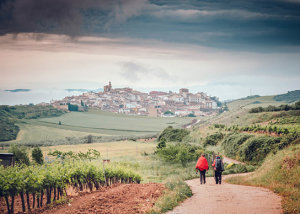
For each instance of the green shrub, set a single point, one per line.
(256, 149)
(232, 141)
(179, 153)
(173, 135)
(213, 139)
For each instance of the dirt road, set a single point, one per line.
(230, 160)
(228, 198)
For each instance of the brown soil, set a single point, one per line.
(228, 198)
(119, 198)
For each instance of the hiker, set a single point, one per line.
(202, 166)
(219, 168)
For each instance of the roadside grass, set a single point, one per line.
(279, 173)
(175, 193)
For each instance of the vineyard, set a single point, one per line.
(53, 180)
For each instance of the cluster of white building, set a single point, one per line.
(156, 103)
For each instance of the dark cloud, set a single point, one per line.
(69, 17)
(247, 25)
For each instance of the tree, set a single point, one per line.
(191, 115)
(169, 112)
(59, 123)
(37, 155)
(20, 154)
(89, 138)
(72, 107)
(81, 103)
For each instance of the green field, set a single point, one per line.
(112, 122)
(77, 125)
(30, 132)
(263, 101)
(108, 150)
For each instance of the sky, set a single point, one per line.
(229, 48)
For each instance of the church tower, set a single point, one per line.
(107, 87)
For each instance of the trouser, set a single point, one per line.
(218, 177)
(202, 176)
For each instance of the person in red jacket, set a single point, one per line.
(202, 166)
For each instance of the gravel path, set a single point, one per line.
(228, 198)
(230, 160)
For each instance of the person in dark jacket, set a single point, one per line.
(219, 168)
(202, 166)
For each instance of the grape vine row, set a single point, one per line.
(53, 179)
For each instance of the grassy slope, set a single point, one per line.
(32, 133)
(280, 173)
(9, 115)
(263, 101)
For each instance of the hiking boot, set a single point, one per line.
(219, 182)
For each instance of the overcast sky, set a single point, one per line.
(226, 48)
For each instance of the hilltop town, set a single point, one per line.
(132, 102)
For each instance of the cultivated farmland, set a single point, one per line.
(112, 122)
(98, 123)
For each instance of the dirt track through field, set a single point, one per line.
(228, 198)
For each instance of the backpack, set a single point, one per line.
(219, 165)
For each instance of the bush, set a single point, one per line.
(256, 149)
(179, 153)
(173, 135)
(213, 139)
(232, 141)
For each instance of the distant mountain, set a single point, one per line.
(19, 90)
(289, 97)
(84, 90)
